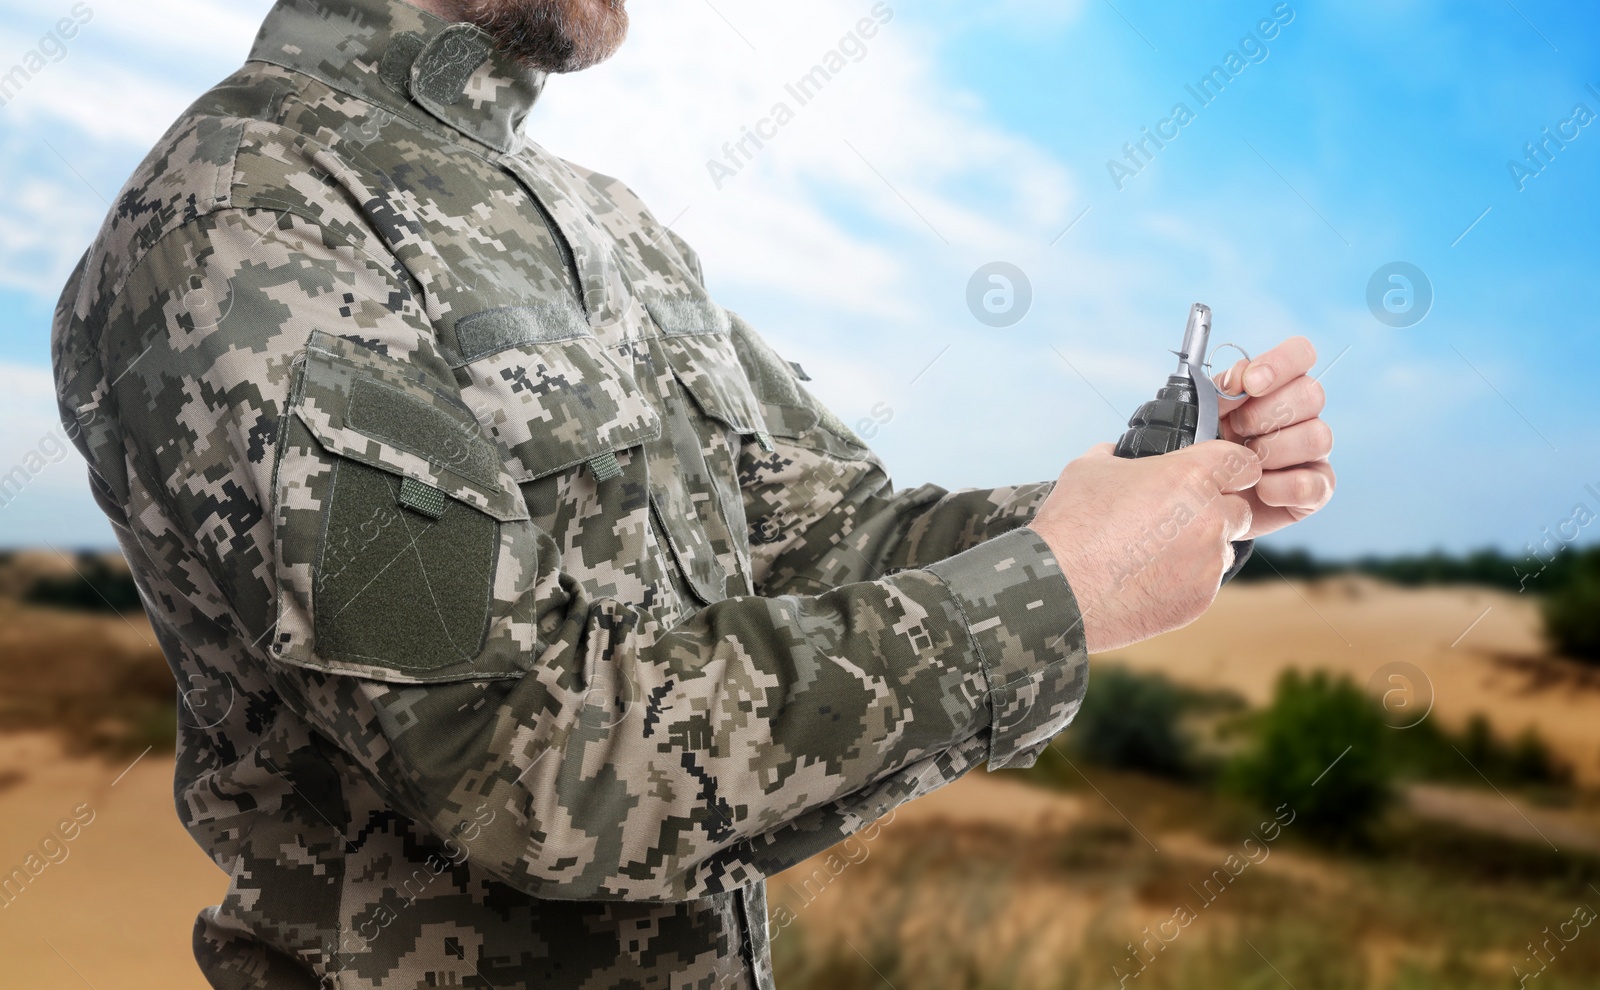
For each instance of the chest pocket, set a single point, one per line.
(695, 490)
(571, 413)
(391, 522)
(555, 398)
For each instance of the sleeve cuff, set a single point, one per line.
(1028, 632)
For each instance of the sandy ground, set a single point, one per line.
(1479, 649)
(117, 912)
(1561, 829)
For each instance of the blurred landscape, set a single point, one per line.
(1371, 774)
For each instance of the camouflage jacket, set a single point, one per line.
(526, 609)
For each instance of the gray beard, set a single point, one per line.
(552, 35)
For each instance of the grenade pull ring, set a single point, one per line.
(1210, 371)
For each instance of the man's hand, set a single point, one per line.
(1280, 422)
(1144, 543)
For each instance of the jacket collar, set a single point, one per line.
(394, 55)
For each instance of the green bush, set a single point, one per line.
(1530, 761)
(1428, 752)
(1130, 721)
(94, 587)
(1143, 723)
(1572, 609)
(1321, 749)
(1524, 760)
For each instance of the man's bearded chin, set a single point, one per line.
(552, 35)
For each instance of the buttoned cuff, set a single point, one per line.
(1028, 633)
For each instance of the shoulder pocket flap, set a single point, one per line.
(688, 317)
(373, 410)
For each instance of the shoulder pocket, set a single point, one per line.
(390, 505)
(791, 411)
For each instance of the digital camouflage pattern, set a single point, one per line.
(526, 609)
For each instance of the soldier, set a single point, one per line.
(526, 608)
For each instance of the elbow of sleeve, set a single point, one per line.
(574, 823)
(547, 851)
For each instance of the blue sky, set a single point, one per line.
(1364, 133)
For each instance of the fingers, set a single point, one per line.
(1228, 382)
(1298, 401)
(1308, 487)
(1226, 466)
(1297, 444)
(1237, 517)
(1294, 358)
(1267, 519)
(1284, 363)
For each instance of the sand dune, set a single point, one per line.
(118, 910)
(1480, 649)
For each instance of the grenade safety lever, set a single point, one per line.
(1184, 411)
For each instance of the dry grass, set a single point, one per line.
(946, 903)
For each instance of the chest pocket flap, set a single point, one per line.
(696, 340)
(558, 400)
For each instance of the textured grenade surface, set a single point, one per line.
(1165, 423)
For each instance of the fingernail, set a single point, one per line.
(1258, 379)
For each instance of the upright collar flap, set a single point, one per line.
(393, 54)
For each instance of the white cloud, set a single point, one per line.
(42, 224)
(129, 70)
(887, 139)
(157, 27)
(853, 233)
(74, 130)
(110, 103)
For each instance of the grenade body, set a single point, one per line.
(1173, 419)
(1165, 423)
